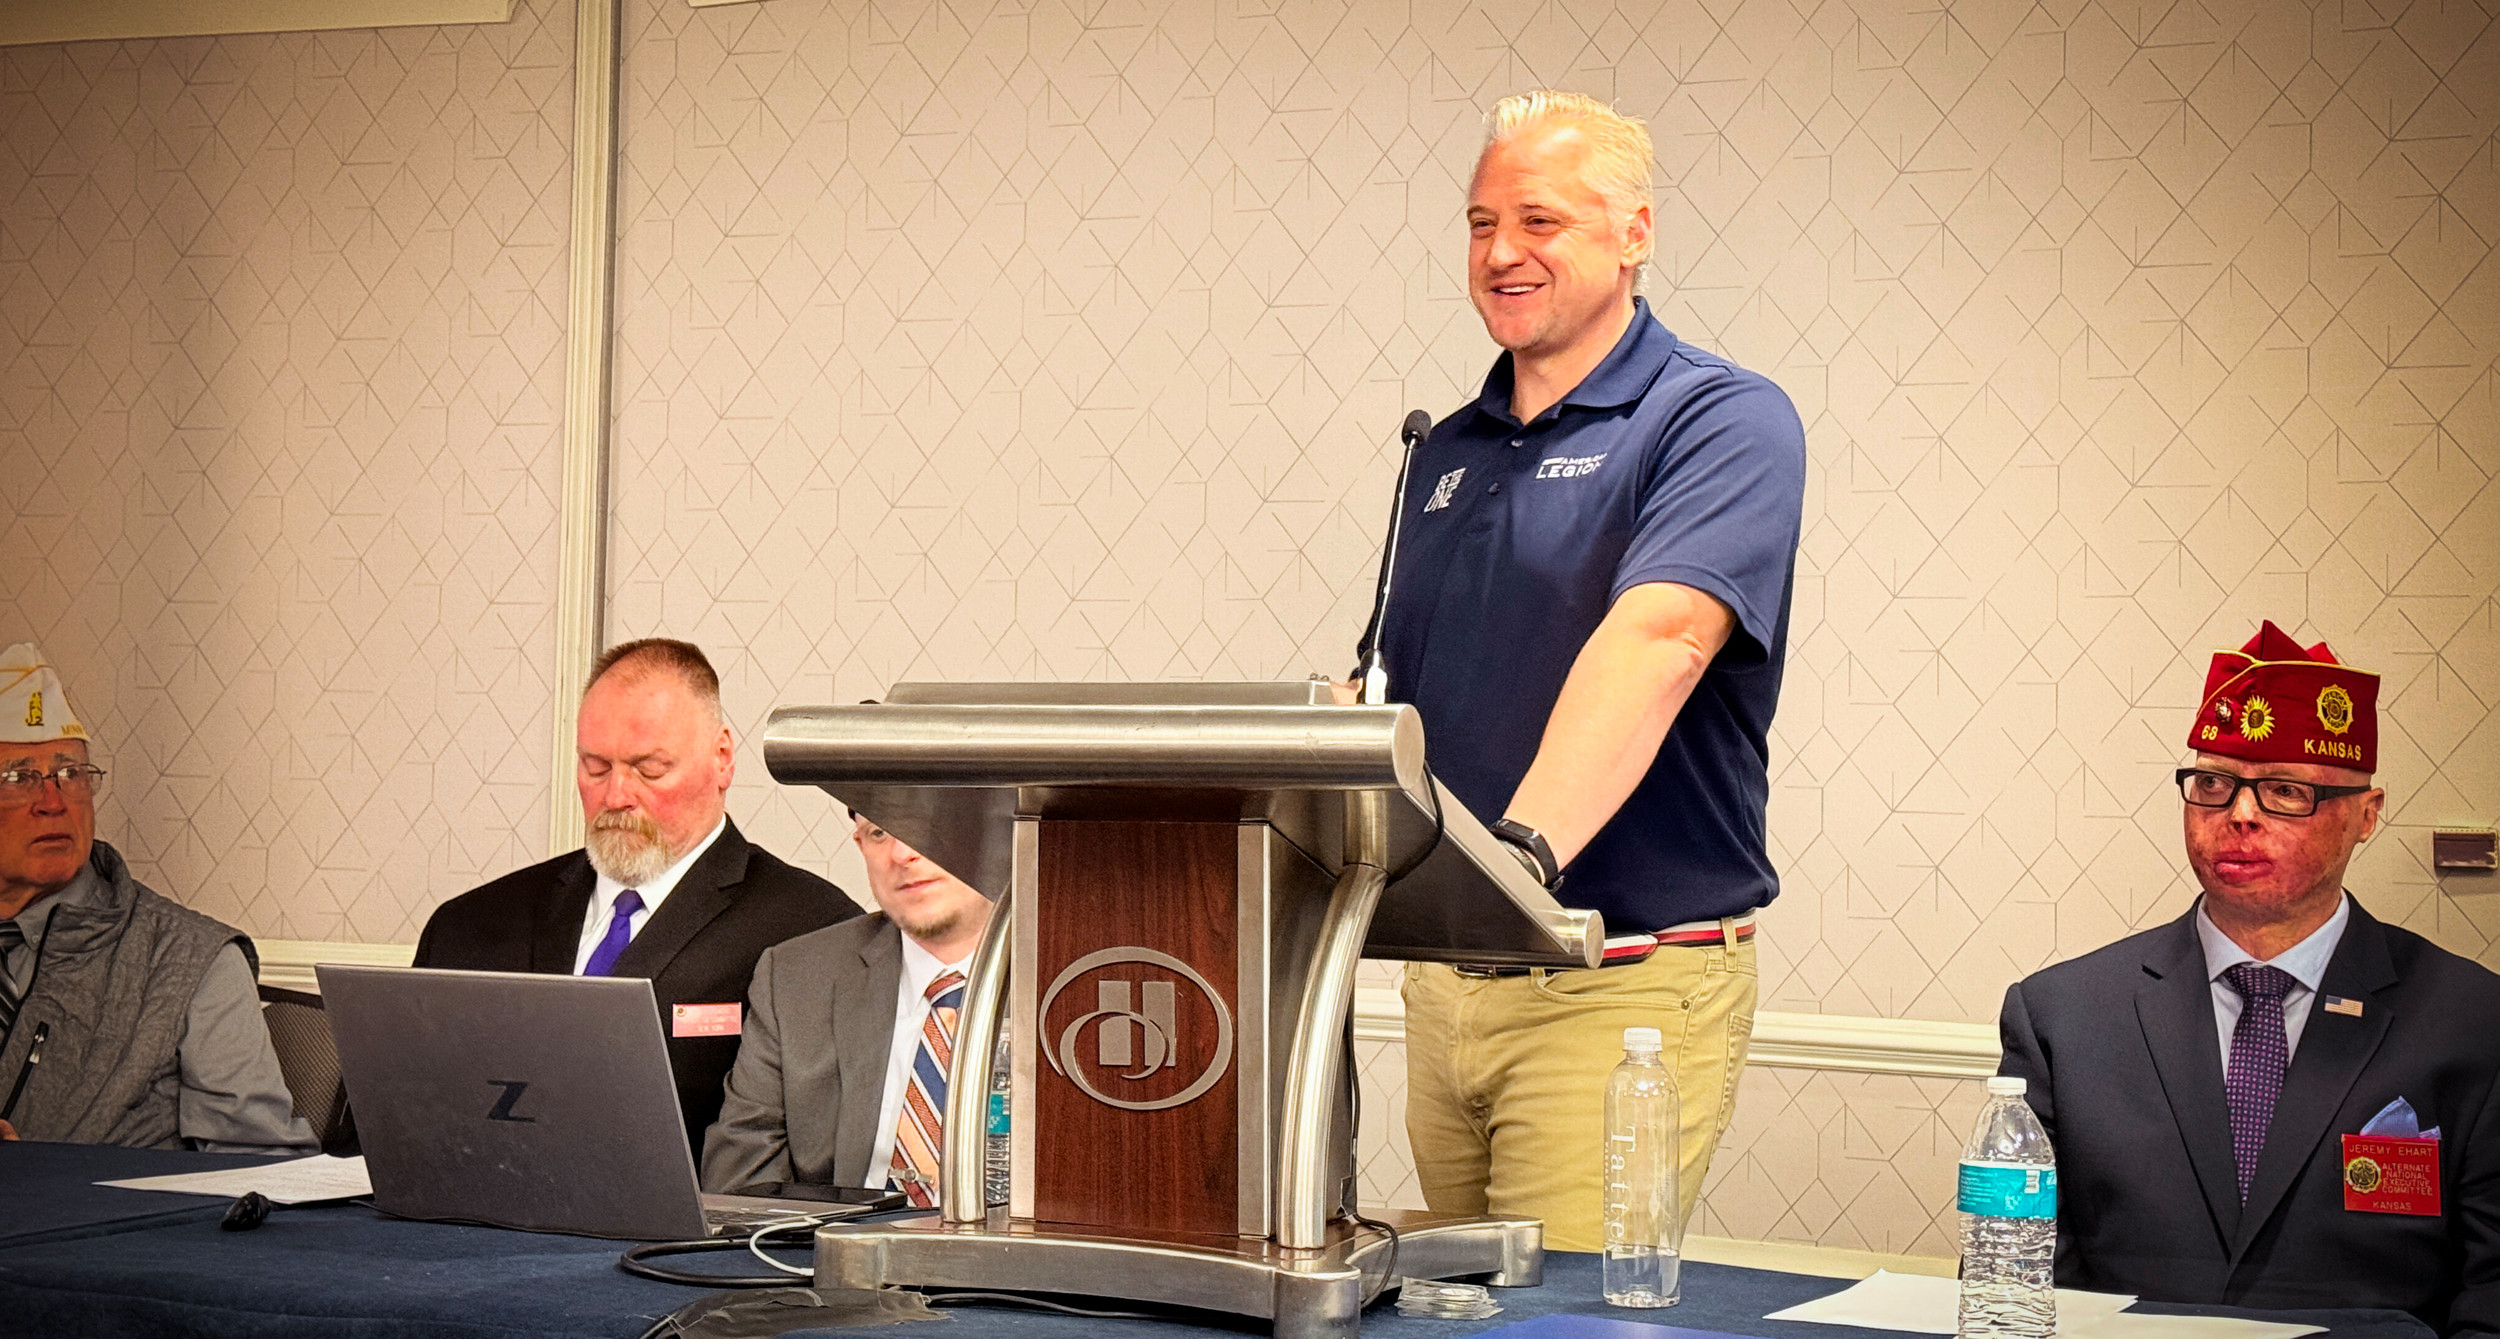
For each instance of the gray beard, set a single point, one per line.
(626, 855)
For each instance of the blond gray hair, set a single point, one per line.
(1619, 148)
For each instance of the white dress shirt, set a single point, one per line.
(2306, 961)
(603, 898)
(911, 1012)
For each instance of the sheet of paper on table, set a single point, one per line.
(1923, 1304)
(301, 1181)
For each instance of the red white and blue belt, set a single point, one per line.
(1625, 949)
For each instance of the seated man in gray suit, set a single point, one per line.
(125, 1018)
(2276, 1100)
(841, 1073)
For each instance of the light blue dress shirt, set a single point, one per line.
(2306, 961)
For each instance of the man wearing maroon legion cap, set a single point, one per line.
(2275, 1101)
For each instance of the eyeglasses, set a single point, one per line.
(2280, 796)
(20, 785)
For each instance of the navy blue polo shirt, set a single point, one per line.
(1666, 463)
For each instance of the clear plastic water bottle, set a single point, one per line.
(2009, 1222)
(1643, 1263)
(995, 1158)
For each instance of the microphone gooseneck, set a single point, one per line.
(1372, 676)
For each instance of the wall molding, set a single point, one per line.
(589, 347)
(1915, 1047)
(116, 20)
(289, 962)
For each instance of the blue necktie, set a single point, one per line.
(620, 933)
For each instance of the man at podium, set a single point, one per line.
(1588, 605)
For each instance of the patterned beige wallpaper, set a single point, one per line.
(281, 355)
(1041, 340)
(1047, 340)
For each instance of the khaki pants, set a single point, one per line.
(1506, 1078)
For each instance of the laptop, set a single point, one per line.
(529, 1101)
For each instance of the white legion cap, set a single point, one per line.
(33, 707)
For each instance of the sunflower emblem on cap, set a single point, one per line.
(2256, 717)
(2335, 708)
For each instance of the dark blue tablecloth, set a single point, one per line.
(79, 1261)
(47, 1191)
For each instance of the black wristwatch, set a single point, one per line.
(1530, 846)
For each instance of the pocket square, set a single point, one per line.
(2398, 1120)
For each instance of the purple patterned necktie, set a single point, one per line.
(2259, 1053)
(620, 933)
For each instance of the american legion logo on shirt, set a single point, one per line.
(1569, 467)
(1445, 489)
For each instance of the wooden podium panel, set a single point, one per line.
(1134, 1117)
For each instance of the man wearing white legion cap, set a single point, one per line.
(124, 1018)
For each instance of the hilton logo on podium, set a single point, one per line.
(1133, 1032)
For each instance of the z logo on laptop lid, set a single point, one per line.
(502, 1110)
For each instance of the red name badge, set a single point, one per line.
(705, 1020)
(2391, 1175)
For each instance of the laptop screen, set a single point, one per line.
(515, 1099)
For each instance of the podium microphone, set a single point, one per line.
(1372, 676)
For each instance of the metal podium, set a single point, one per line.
(1187, 875)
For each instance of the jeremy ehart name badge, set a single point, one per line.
(2387, 1175)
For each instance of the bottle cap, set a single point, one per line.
(2006, 1085)
(1643, 1039)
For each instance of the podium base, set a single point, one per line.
(1309, 1294)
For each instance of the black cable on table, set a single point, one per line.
(636, 1261)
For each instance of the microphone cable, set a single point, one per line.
(1349, 1197)
(1371, 662)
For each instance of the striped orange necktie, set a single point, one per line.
(919, 1132)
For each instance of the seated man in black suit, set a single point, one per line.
(2229, 1093)
(849, 1037)
(666, 888)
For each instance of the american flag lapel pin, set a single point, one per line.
(2337, 1004)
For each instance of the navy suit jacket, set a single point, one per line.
(700, 947)
(2125, 1070)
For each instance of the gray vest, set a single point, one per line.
(114, 983)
